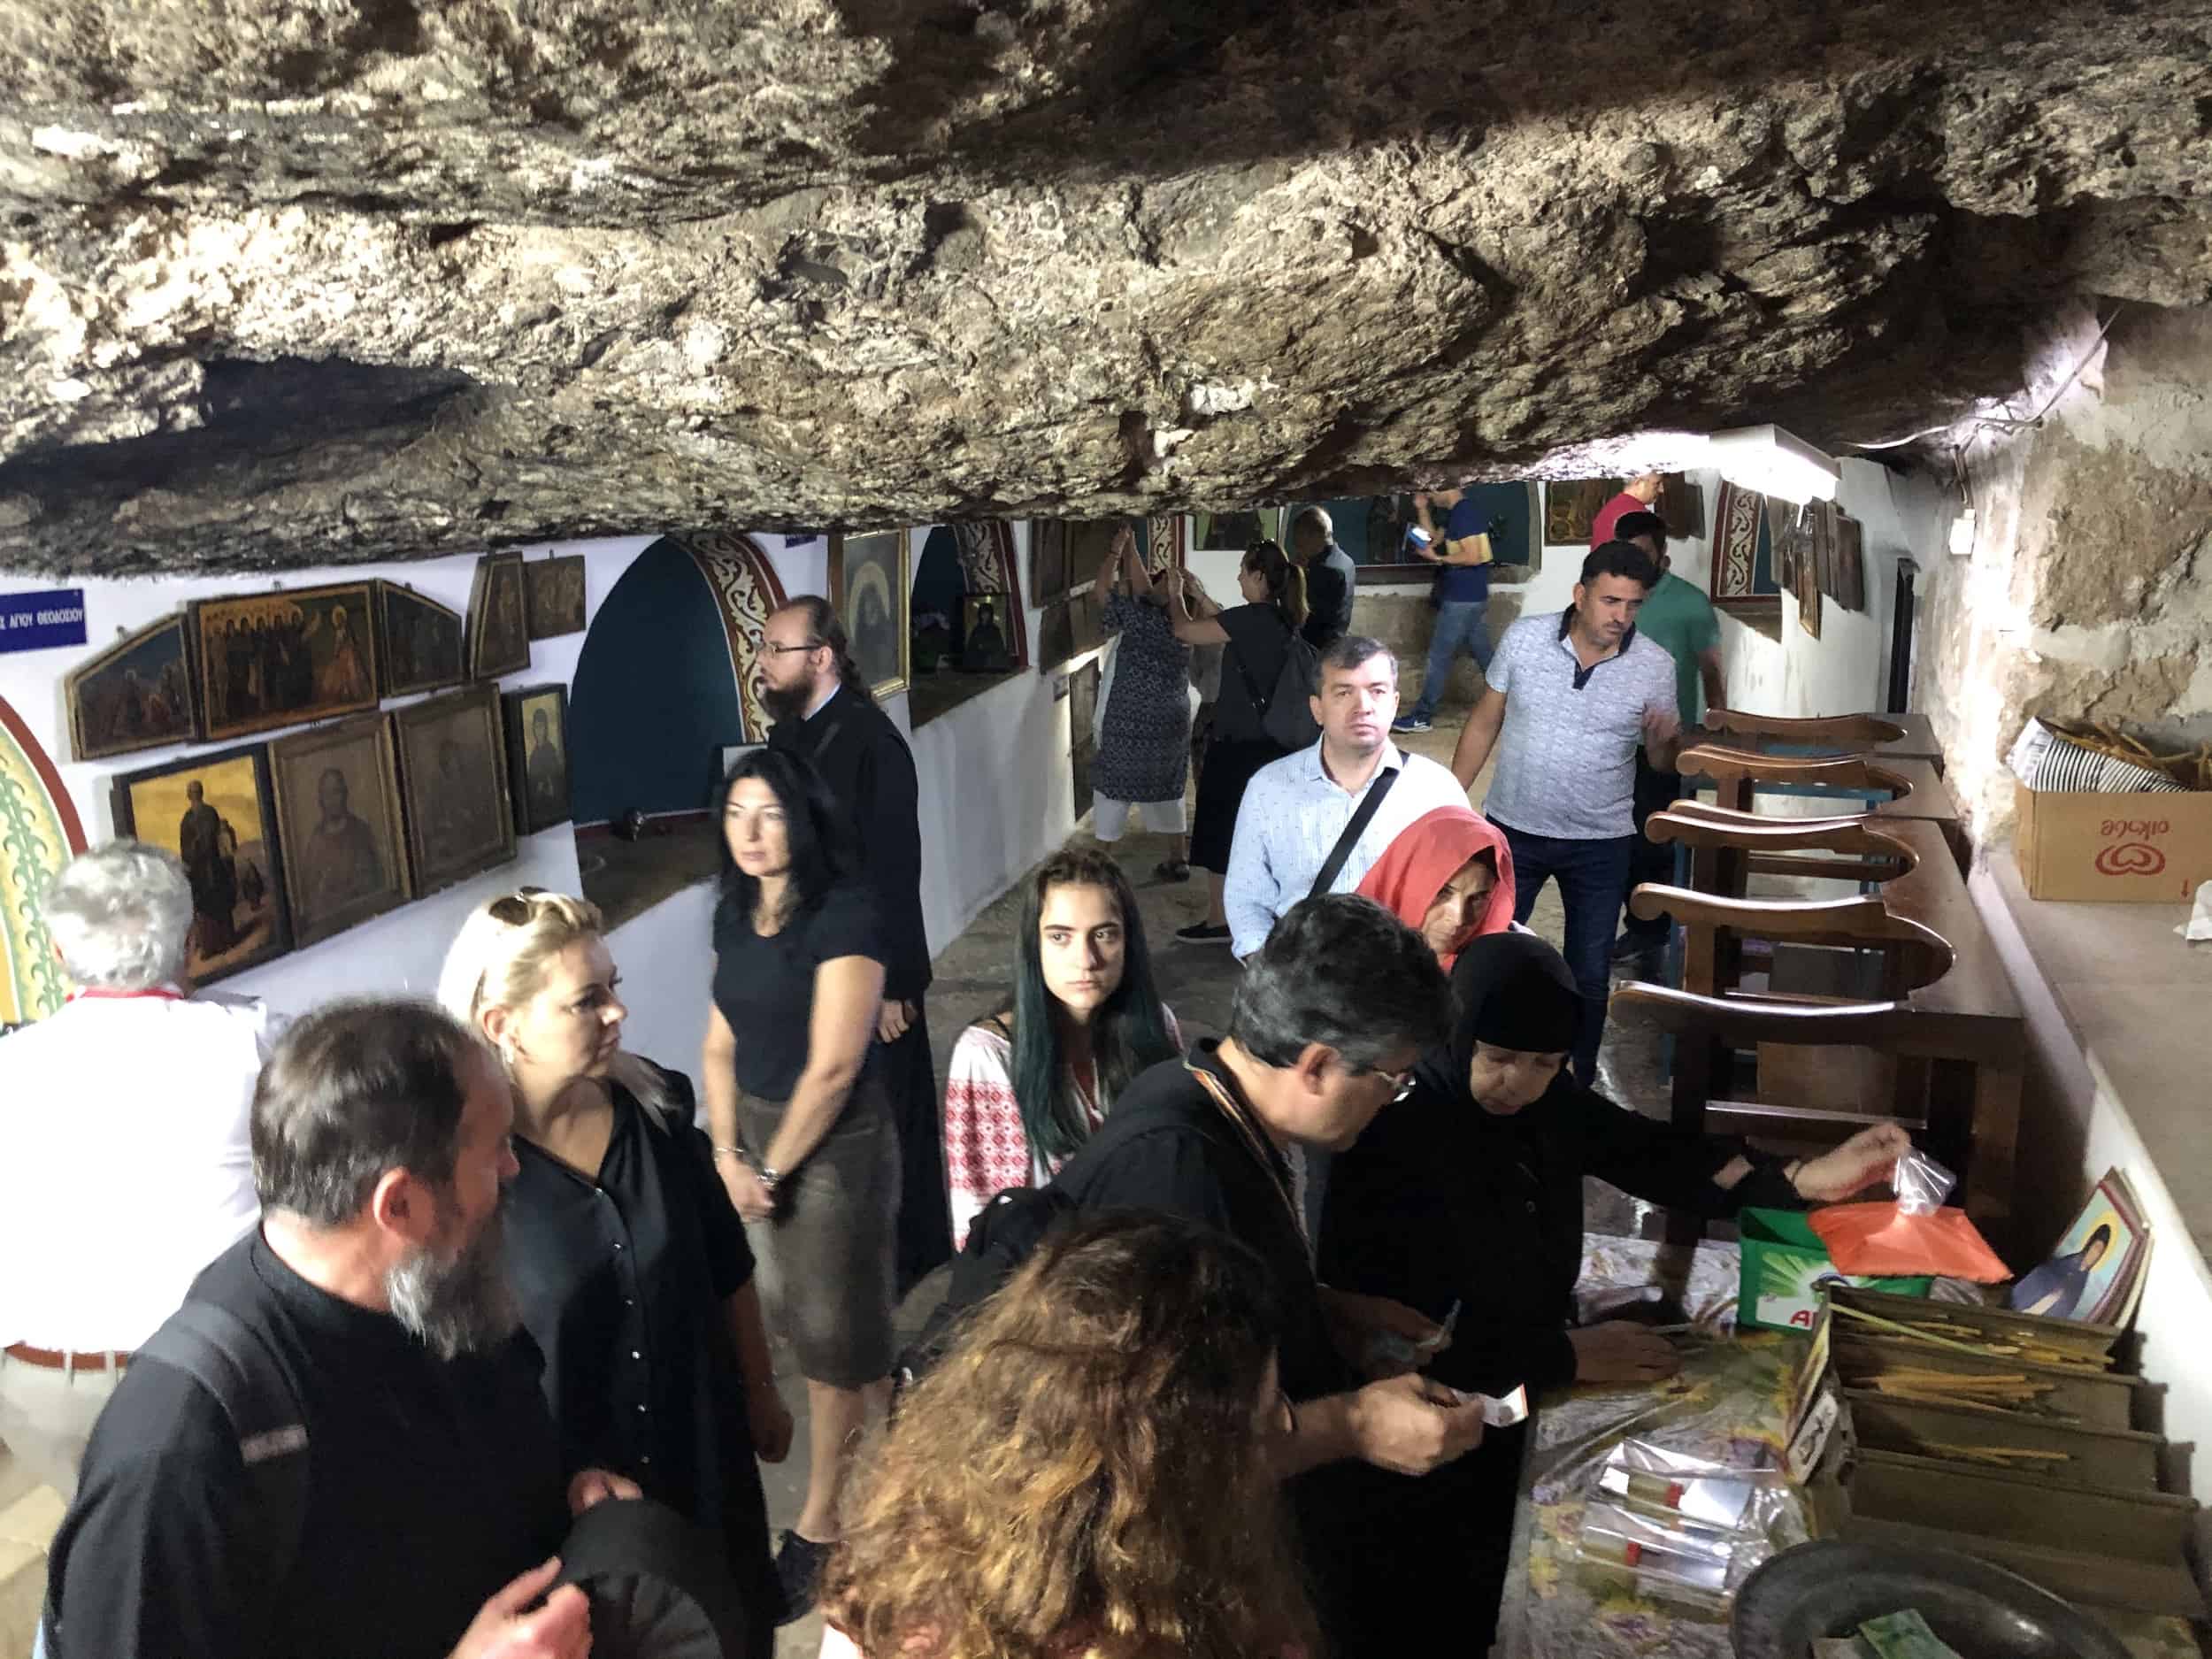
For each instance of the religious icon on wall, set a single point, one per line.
(537, 756)
(1090, 622)
(453, 778)
(218, 815)
(1230, 532)
(983, 648)
(553, 594)
(1049, 570)
(1056, 635)
(1682, 505)
(1082, 705)
(285, 658)
(1820, 523)
(345, 854)
(1850, 562)
(499, 636)
(423, 641)
(1808, 593)
(868, 589)
(1570, 508)
(136, 695)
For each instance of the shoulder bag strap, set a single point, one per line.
(1352, 831)
(1251, 685)
(1255, 1142)
(1260, 701)
(233, 1362)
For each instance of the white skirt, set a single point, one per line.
(1109, 817)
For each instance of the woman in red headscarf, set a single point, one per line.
(1449, 877)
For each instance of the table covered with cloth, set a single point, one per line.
(1729, 1404)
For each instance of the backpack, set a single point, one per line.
(1006, 1233)
(1286, 714)
(1003, 1236)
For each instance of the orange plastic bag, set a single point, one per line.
(1882, 1240)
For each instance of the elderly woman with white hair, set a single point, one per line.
(629, 1261)
(125, 1167)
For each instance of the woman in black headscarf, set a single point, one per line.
(1470, 1191)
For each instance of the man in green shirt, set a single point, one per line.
(1680, 618)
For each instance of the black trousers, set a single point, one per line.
(924, 1230)
(1656, 792)
(1393, 1561)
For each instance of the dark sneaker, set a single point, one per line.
(1413, 723)
(1635, 947)
(1201, 934)
(798, 1569)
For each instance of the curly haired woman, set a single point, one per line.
(1086, 1475)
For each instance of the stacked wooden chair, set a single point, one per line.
(1800, 1021)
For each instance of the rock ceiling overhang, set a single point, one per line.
(285, 283)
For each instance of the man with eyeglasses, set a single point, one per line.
(1329, 1017)
(1571, 697)
(823, 711)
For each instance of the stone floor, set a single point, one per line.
(972, 975)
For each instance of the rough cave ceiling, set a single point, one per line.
(285, 282)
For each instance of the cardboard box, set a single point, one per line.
(2142, 849)
(1785, 1267)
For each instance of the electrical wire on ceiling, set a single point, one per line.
(2009, 423)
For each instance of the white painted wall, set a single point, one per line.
(399, 952)
(2176, 1306)
(994, 794)
(1846, 670)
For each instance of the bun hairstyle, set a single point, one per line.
(824, 623)
(1285, 580)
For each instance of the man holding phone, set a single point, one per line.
(1461, 596)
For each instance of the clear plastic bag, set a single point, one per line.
(1922, 1184)
(1680, 1526)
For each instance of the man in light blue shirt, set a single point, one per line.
(1571, 696)
(1295, 808)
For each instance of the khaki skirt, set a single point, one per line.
(824, 1265)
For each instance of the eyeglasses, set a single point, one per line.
(1404, 1079)
(514, 909)
(774, 649)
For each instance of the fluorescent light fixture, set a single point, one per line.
(1962, 533)
(1775, 463)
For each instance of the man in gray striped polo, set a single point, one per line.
(1571, 696)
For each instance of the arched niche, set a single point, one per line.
(39, 833)
(958, 563)
(667, 678)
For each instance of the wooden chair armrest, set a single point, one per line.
(1708, 812)
(1850, 730)
(1744, 1021)
(1862, 915)
(1778, 835)
(1846, 771)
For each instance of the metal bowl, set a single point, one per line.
(1983, 1612)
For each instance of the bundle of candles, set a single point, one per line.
(2032, 1345)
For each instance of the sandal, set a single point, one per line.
(1171, 870)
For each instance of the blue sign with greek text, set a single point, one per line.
(38, 622)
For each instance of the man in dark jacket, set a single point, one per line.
(824, 712)
(391, 1361)
(1331, 577)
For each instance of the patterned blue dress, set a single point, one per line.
(1144, 742)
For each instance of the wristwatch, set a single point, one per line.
(766, 1177)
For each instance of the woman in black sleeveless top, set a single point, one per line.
(1257, 633)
